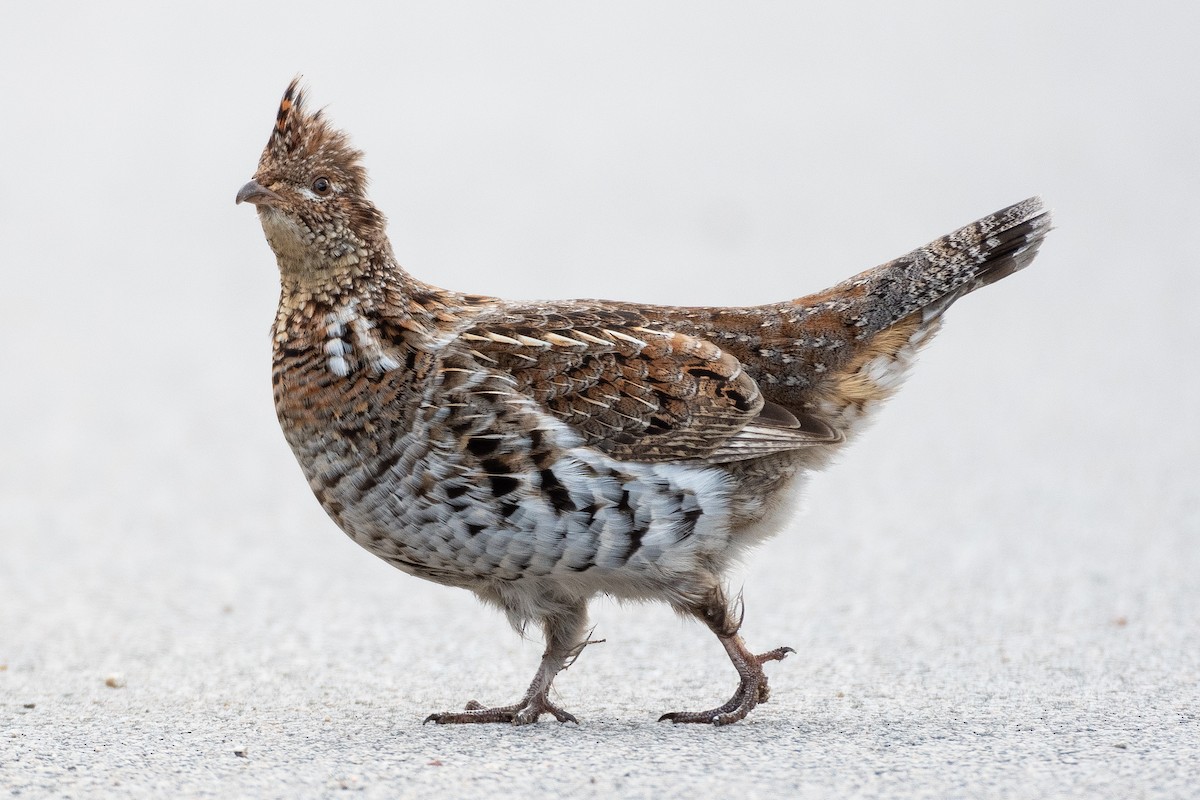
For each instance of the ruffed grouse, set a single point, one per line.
(541, 453)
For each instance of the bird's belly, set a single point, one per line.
(419, 504)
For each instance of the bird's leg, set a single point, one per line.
(564, 642)
(752, 688)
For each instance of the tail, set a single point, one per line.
(870, 327)
(932, 277)
(829, 358)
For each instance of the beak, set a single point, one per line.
(252, 192)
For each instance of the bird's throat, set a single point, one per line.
(304, 269)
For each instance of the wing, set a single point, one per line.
(634, 388)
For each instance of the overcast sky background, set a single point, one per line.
(675, 152)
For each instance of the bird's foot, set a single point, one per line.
(751, 691)
(522, 713)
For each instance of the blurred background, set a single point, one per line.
(1031, 494)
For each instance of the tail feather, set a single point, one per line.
(829, 358)
(932, 277)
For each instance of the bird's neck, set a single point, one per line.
(373, 287)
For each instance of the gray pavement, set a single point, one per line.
(993, 594)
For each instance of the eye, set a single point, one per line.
(322, 186)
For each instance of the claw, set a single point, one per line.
(751, 691)
(524, 713)
(778, 654)
(563, 646)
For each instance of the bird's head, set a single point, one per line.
(310, 192)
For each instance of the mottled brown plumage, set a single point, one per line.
(541, 453)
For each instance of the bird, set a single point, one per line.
(540, 454)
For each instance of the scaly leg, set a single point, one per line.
(564, 642)
(752, 687)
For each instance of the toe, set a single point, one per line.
(778, 654)
(563, 716)
(473, 713)
(526, 716)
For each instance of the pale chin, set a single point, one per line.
(289, 240)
